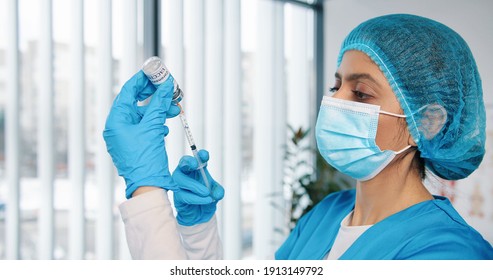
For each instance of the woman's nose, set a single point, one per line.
(342, 93)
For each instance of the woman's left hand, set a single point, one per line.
(134, 135)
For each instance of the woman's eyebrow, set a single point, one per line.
(357, 76)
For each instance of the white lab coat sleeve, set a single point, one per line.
(202, 241)
(151, 227)
(153, 233)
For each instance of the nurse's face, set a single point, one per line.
(360, 79)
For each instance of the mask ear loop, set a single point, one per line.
(434, 113)
(403, 150)
(398, 116)
(392, 114)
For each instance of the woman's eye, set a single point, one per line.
(360, 95)
(333, 89)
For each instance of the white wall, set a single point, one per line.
(473, 197)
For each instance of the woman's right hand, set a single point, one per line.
(194, 202)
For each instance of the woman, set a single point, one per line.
(407, 99)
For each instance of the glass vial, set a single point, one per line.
(157, 73)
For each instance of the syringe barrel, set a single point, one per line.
(157, 73)
(188, 133)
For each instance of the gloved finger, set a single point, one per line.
(173, 111)
(189, 184)
(122, 116)
(137, 88)
(187, 197)
(204, 156)
(217, 191)
(160, 103)
(188, 164)
(124, 110)
(166, 130)
(141, 110)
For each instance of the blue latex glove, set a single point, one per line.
(193, 202)
(134, 134)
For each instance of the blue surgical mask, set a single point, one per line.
(346, 132)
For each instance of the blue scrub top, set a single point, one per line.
(428, 230)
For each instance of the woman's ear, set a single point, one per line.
(433, 118)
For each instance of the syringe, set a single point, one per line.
(157, 73)
(193, 147)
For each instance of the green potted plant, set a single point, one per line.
(307, 177)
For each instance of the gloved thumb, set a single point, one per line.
(189, 164)
(160, 103)
(173, 111)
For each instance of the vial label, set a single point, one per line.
(157, 73)
(159, 76)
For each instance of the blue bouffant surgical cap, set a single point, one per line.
(435, 78)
